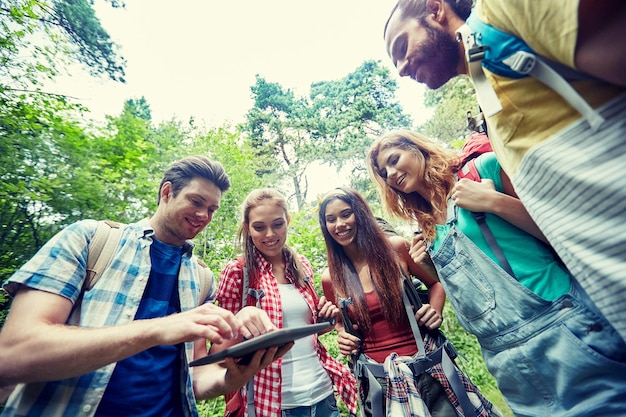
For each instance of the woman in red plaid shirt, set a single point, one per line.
(303, 382)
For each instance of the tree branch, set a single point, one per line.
(19, 90)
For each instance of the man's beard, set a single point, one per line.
(443, 56)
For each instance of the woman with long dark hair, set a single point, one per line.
(367, 269)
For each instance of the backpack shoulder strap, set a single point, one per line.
(507, 55)
(246, 291)
(492, 242)
(103, 245)
(245, 283)
(207, 280)
(469, 171)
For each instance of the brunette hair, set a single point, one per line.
(418, 9)
(377, 251)
(439, 178)
(181, 172)
(254, 199)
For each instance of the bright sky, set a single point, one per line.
(200, 57)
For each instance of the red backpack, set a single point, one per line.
(476, 144)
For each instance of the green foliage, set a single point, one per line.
(216, 244)
(211, 408)
(334, 125)
(48, 174)
(305, 237)
(4, 308)
(17, 25)
(39, 37)
(44, 178)
(451, 103)
(94, 46)
(350, 112)
(139, 108)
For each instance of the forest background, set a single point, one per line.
(59, 164)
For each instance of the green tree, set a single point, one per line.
(125, 158)
(45, 153)
(45, 179)
(451, 102)
(39, 37)
(276, 134)
(334, 125)
(216, 244)
(350, 112)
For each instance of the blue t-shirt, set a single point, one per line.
(146, 384)
(533, 263)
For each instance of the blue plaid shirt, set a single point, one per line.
(60, 268)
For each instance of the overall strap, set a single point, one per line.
(486, 232)
(492, 242)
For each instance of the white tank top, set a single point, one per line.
(304, 380)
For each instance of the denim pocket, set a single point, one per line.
(467, 288)
(596, 336)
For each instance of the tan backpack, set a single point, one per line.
(103, 245)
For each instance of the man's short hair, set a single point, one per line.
(181, 172)
(418, 9)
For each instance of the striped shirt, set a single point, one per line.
(267, 383)
(59, 267)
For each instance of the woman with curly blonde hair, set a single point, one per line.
(539, 332)
(438, 166)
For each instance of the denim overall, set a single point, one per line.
(550, 358)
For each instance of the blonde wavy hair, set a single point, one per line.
(439, 178)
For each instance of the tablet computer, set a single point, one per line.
(245, 350)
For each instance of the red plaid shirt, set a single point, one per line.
(267, 383)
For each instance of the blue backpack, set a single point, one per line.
(509, 56)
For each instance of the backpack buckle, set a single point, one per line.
(476, 123)
(521, 62)
(477, 53)
(477, 50)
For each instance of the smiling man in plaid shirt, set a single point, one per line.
(138, 328)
